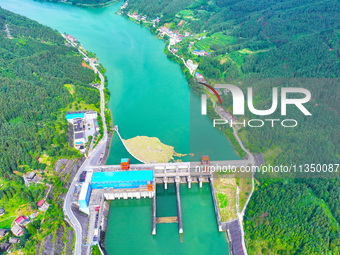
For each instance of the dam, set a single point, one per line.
(100, 184)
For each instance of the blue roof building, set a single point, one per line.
(71, 116)
(124, 160)
(121, 179)
(84, 197)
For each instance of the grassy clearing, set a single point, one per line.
(244, 184)
(13, 208)
(237, 57)
(187, 13)
(226, 190)
(70, 88)
(7, 222)
(226, 198)
(45, 159)
(246, 51)
(217, 38)
(272, 154)
(81, 105)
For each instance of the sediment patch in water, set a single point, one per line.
(151, 149)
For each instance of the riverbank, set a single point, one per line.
(96, 5)
(188, 72)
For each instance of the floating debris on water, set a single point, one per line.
(151, 149)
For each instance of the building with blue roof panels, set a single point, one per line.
(84, 197)
(71, 116)
(122, 179)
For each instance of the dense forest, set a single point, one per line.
(296, 221)
(270, 43)
(265, 44)
(34, 67)
(41, 78)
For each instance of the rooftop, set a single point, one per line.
(78, 125)
(82, 176)
(4, 247)
(40, 202)
(13, 240)
(124, 160)
(102, 177)
(17, 230)
(79, 135)
(20, 219)
(3, 232)
(83, 192)
(31, 175)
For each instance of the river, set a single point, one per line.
(149, 96)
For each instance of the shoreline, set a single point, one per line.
(187, 73)
(90, 6)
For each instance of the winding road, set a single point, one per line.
(91, 160)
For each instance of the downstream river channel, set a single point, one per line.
(150, 97)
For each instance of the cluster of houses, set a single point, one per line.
(19, 225)
(200, 53)
(200, 77)
(6, 245)
(124, 5)
(71, 38)
(84, 125)
(175, 37)
(139, 17)
(225, 115)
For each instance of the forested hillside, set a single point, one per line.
(269, 39)
(41, 78)
(287, 217)
(34, 67)
(264, 44)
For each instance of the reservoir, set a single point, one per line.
(150, 97)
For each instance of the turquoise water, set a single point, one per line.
(200, 234)
(149, 93)
(149, 96)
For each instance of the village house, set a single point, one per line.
(21, 220)
(2, 211)
(13, 240)
(71, 38)
(17, 230)
(200, 77)
(30, 176)
(40, 203)
(4, 247)
(200, 52)
(3, 232)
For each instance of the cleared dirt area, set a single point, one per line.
(226, 190)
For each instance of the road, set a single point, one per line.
(190, 70)
(91, 160)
